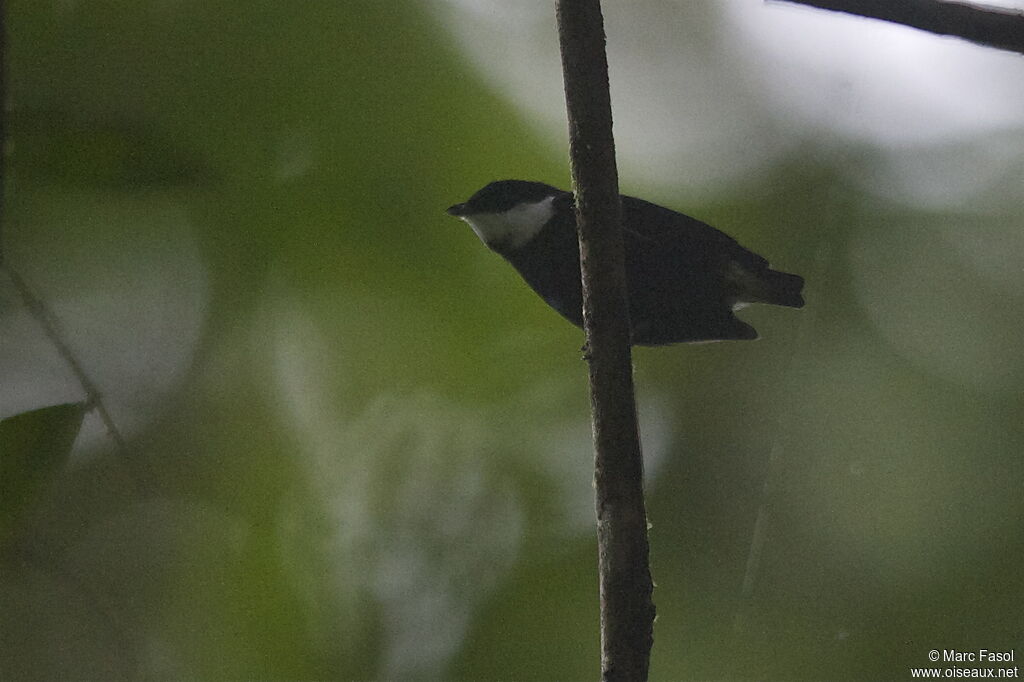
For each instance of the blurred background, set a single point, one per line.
(358, 447)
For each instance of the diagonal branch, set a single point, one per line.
(627, 613)
(38, 310)
(989, 26)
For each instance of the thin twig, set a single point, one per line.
(988, 26)
(627, 613)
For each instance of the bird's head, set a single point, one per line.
(507, 214)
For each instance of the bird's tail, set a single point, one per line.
(767, 286)
(778, 288)
(764, 285)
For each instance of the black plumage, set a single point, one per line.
(684, 277)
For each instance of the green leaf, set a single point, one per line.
(33, 447)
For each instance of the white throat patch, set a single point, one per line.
(514, 227)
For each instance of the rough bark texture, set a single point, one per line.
(998, 28)
(627, 613)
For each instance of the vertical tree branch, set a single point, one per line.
(627, 613)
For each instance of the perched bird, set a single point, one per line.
(684, 278)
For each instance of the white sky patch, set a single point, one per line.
(707, 92)
(875, 81)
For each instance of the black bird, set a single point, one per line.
(684, 278)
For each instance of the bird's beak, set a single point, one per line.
(458, 210)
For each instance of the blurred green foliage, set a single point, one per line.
(34, 447)
(371, 440)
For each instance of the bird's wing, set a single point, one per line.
(657, 227)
